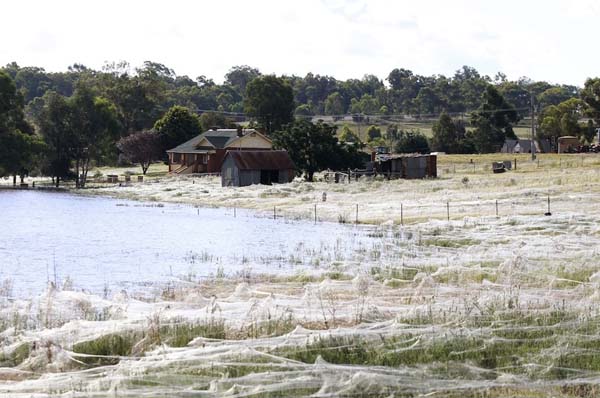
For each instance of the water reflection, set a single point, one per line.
(100, 242)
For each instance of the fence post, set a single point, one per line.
(496, 207)
(234, 212)
(356, 220)
(315, 213)
(401, 214)
(448, 210)
(548, 212)
(274, 213)
(515, 163)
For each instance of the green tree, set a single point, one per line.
(563, 119)
(367, 105)
(373, 133)
(240, 76)
(315, 147)
(412, 142)
(392, 132)
(269, 100)
(304, 110)
(591, 96)
(20, 152)
(32, 82)
(178, 125)
(450, 136)
(517, 94)
(19, 147)
(143, 147)
(588, 132)
(347, 135)
(225, 100)
(55, 125)
(210, 120)
(137, 107)
(334, 104)
(95, 128)
(471, 86)
(556, 95)
(427, 101)
(493, 122)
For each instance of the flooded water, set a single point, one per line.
(101, 243)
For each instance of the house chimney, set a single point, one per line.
(240, 131)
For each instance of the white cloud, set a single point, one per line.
(551, 40)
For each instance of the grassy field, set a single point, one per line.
(465, 183)
(158, 169)
(477, 306)
(522, 130)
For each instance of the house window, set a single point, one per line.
(204, 158)
(176, 158)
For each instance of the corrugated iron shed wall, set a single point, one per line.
(262, 160)
(243, 168)
(409, 166)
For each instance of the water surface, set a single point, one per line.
(101, 243)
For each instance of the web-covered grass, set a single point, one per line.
(476, 307)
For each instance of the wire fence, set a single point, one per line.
(520, 164)
(544, 201)
(410, 213)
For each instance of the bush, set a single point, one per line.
(412, 142)
(373, 132)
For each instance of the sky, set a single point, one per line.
(551, 40)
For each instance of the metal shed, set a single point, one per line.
(568, 143)
(243, 168)
(407, 166)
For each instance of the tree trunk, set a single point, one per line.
(84, 171)
(77, 173)
(14, 179)
(57, 181)
(309, 176)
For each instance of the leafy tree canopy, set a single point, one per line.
(412, 142)
(19, 147)
(450, 136)
(591, 96)
(493, 122)
(210, 120)
(240, 76)
(176, 126)
(270, 100)
(315, 147)
(563, 119)
(142, 147)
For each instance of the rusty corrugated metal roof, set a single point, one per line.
(261, 160)
(392, 156)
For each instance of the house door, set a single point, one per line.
(267, 177)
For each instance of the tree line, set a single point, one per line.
(61, 123)
(142, 94)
